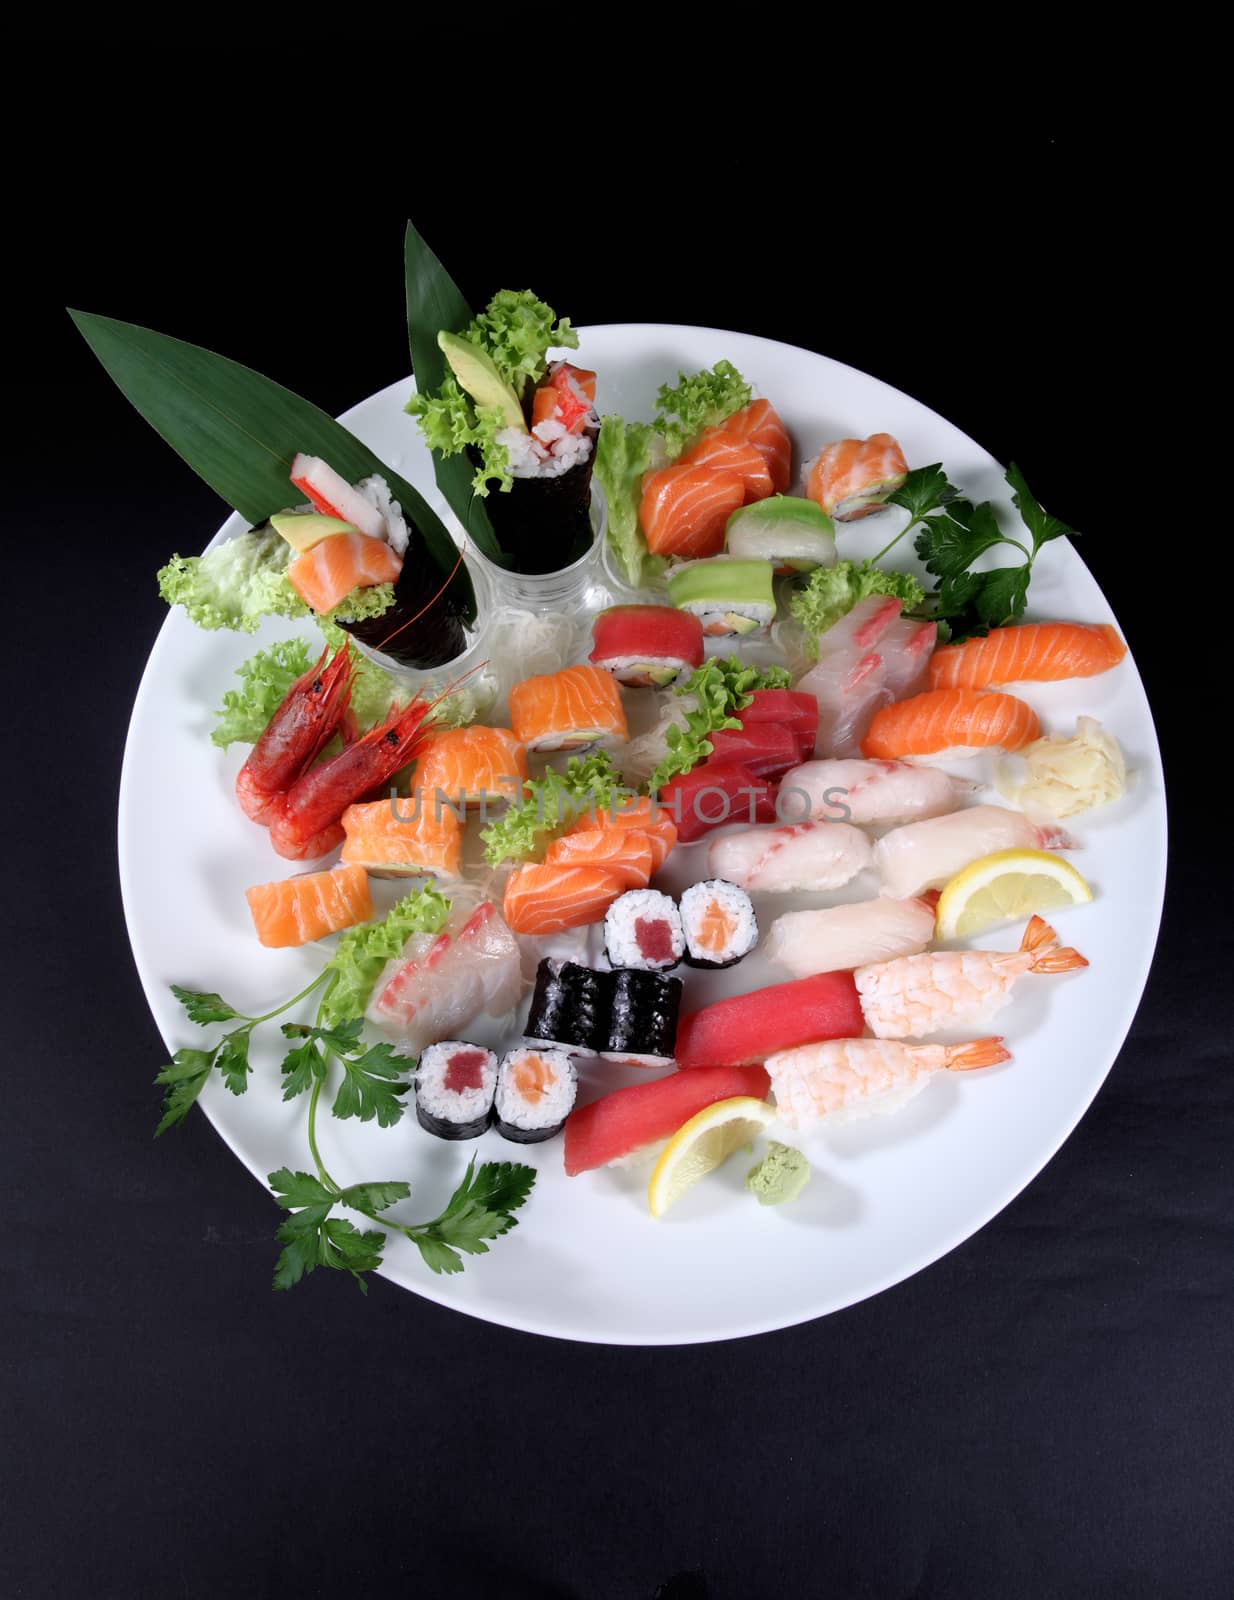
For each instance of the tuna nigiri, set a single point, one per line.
(627, 853)
(1037, 652)
(853, 477)
(868, 658)
(629, 1120)
(294, 911)
(924, 855)
(473, 765)
(684, 510)
(541, 898)
(942, 721)
(568, 710)
(836, 938)
(758, 424)
(750, 1027)
(850, 1078)
(722, 452)
(442, 982)
(401, 841)
(808, 855)
(329, 571)
(872, 791)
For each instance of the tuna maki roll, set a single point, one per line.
(719, 923)
(570, 1006)
(727, 596)
(535, 1094)
(642, 929)
(455, 1084)
(643, 1025)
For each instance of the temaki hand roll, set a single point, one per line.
(455, 1084)
(535, 1094)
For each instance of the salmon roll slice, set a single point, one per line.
(684, 510)
(397, 840)
(294, 911)
(329, 571)
(646, 817)
(471, 766)
(758, 424)
(568, 710)
(549, 899)
(625, 852)
(853, 477)
(1032, 652)
(724, 453)
(949, 719)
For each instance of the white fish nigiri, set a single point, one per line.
(442, 982)
(844, 1079)
(809, 855)
(917, 995)
(924, 855)
(838, 937)
(869, 658)
(873, 791)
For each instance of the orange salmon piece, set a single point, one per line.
(852, 478)
(1033, 652)
(945, 719)
(625, 852)
(472, 761)
(402, 846)
(294, 911)
(335, 566)
(758, 424)
(548, 899)
(684, 510)
(724, 453)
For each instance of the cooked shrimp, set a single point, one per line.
(848, 1078)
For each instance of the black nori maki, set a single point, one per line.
(571, 1006)
(535, 1094)
(455, 1085)
(643, 1021)
(544, 523)
(425, 625)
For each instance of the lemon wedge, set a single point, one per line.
(1005, 887)
(700, 1145)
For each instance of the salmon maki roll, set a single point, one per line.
(471, 765)
(949, 719)
(722, 452)
(625, 852)
(327, 573)
(389, 842)
(853, 477)
(295, 911)
(1033, 652)
(758, 424)
(549, 899)
(646, 817)
(685, 509)
(568, 710)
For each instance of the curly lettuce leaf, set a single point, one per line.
(697, 402)
(831, 593)
(624, 452)
(235, 584)
(450, 421)
(362, 952)
(518, 330)
(589, 783)
(719, 689)
(265, 679)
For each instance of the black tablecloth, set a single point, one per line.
(1045, 1412)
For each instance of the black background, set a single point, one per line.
(1047, 1411)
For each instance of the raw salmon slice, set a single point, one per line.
(1033, 652)
(724, 453)
(949, 719)
(853, 477)
(625, 852)
(758, 424)
(568, 710)
(656, 822)
(403, 845)
(329, 571)
(294, 911)
(684, 509)
(472, 763)
(546, 899)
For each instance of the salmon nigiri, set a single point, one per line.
(684, 510)
(329, 571)
(1033, 652)
(758, 424)
(949, 719)
(401, 841)
(296, 910)
(625, 852)
(549, 899)
(724, 453)
(853, 477)
(476, 764)
(645, 817)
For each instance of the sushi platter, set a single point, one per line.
(782, 815)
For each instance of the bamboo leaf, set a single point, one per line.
(434, 302)
(239, 431)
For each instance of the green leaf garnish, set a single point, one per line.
(722, 688)
(830, 593)
(589, 783)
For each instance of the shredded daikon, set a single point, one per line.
(1063, 775)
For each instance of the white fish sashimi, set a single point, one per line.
(875, 791)
(924, 855)
(837, 938)
(637, 760)
(809, 855)
(867, 659)
(441, 983)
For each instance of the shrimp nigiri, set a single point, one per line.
(923, 855)
(874, 791)
(914, 996)
(844, 1079)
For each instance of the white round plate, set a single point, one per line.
(888, 1195)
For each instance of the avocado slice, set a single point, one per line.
(477, 372)
(304, 529)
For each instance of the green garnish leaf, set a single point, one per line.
(722, 688)
(924, 491)
(480, 1209)
(831, 593)
(518, 330)
(265, 678)
(624, 452)
(1042, 526)
(363, 952)
(203, 1007)
(372, 1085)
(184, 1080)
(311, 1238)
(700, 401)
(232, 1059)
(374, 1196)
(301, 1068)
(589, 784)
